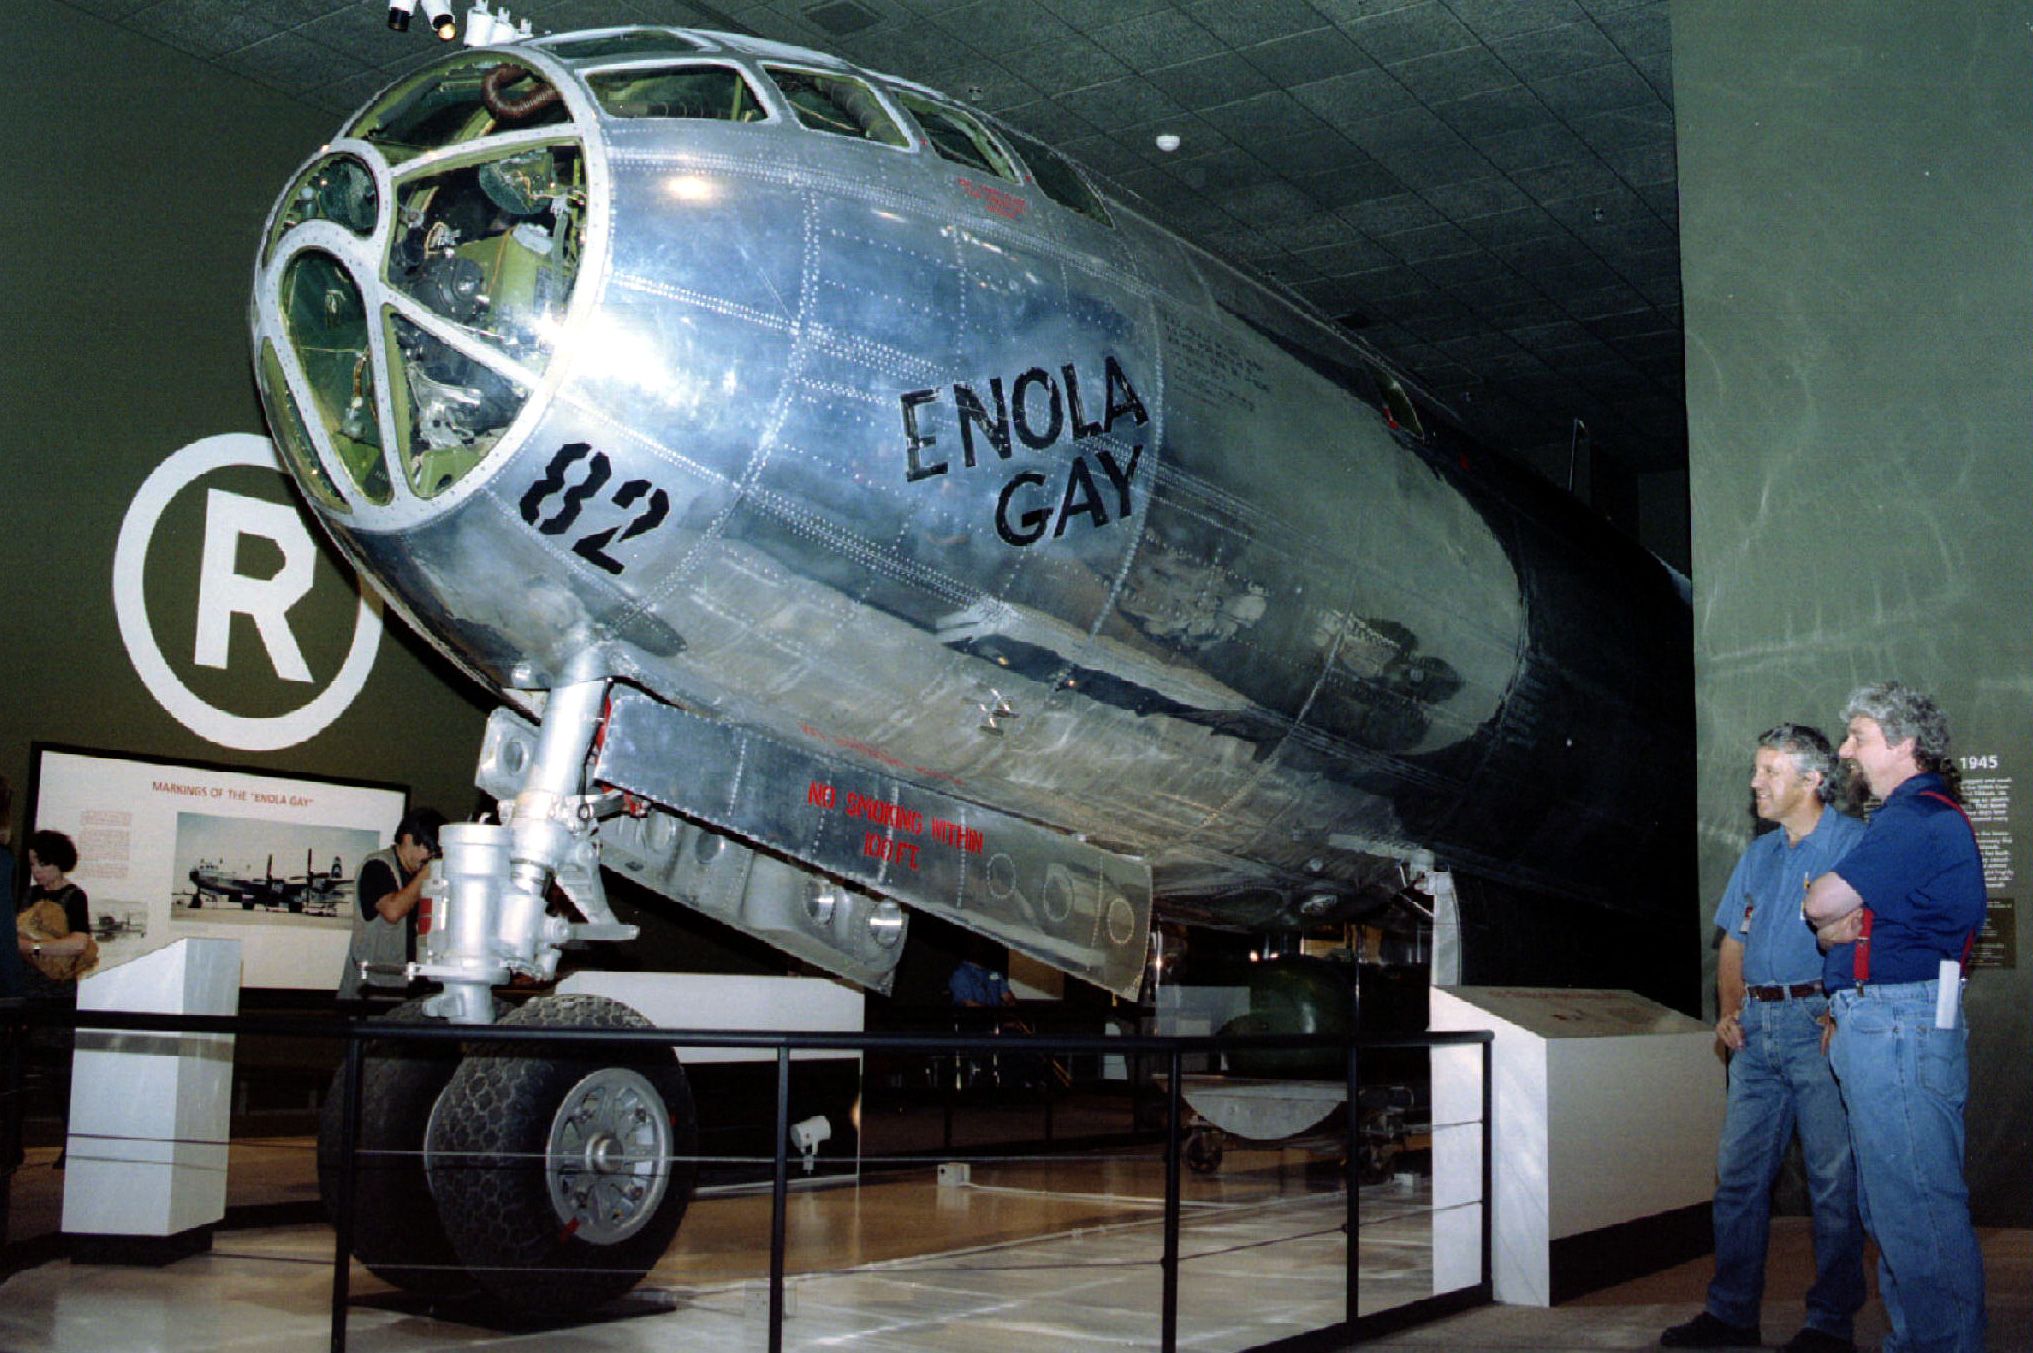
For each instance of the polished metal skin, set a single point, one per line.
(630, 367)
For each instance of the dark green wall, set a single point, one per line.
(1857, 254)
(137, 189)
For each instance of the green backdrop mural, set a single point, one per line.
(1857, 254)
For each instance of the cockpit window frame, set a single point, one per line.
(1399, 408)
(1019, 141)
(371, 124)
(1009, 171)
(682, 45)
(750, 80)
(904, 126)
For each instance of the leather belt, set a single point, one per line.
(1796, 991)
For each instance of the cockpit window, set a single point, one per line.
(493, 246)
(291, 432)
(337, 188)
(833, 103)
(1399, 410)
(326, 323)
(635, 42)
(449, 409)
(477, 96)
(957, 137)
(1058, 179)
(719, 93)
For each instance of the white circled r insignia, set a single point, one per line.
(130, 560)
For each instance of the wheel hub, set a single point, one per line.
(608, 1162)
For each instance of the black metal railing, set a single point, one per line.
(1170, 1051)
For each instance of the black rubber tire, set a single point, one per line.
(395, 1228)
(1203, 1151)
(490, 1177)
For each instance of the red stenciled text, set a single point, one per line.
(876, 846)
(953, 834)
(894, 820)
(883, 813)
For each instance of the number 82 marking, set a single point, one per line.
(572, 499)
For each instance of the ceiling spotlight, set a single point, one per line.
(439, 12)
(398, 14)
(1168, 141)
(482, 23)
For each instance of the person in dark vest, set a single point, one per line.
(390, 884)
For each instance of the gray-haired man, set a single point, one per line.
(1902, 911)
(1769, 992)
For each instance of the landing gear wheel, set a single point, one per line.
(1203, 1150)
(394, 1232)
(561, 1177)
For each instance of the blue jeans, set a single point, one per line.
(1779, 1081)
(1905, 1082)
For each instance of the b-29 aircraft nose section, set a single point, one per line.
(414, 283)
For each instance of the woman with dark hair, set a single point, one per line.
(53, 925)
(53, 930)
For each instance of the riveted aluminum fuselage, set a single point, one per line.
(865, 448)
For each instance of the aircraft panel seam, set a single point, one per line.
(895, 362)
(643, 440)
(860, 548)
(704, 301)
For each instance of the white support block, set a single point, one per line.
(150, 1112)
(1607, 1112)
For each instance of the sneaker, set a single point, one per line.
(1705, 1331)
(1811, 1340)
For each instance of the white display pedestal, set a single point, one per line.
(145, 1177)
(1607, 1110)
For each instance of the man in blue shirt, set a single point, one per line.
(1769, 992)
(975, 984)
(1899, 913)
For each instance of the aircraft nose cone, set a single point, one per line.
(406, 309)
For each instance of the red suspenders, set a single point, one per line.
(1860, 965)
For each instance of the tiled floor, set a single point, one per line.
(1036, 1256)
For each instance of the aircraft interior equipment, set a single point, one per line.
(860, 510)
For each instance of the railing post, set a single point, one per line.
(1352, 1185)
(1046, 1067)
(779, 1193)
(951, 1090)
(352, 1084)
(1489, 1277)
(1169, 1337)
